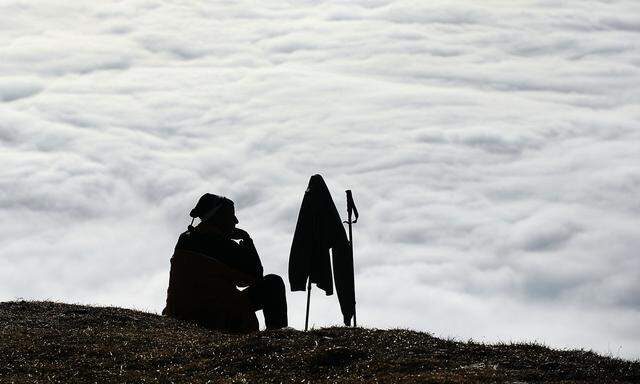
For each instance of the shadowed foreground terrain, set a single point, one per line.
(53, 342)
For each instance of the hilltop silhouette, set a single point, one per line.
(55, 342)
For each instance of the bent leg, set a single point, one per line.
(269, 295)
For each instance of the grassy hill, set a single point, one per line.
(53, 342)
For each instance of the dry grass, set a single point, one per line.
(53, 342)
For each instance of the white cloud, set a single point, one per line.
(17, 88)
(492, 150)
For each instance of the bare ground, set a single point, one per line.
(48, 342)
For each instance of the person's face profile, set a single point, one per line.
(228, 219)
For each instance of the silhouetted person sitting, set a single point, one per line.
(208, 266)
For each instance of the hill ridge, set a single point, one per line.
(57, 342)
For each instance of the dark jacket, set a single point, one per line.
(240, 256)
(205, 272)
(319, 228)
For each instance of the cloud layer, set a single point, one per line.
(493, 151)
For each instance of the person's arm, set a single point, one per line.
(252, 257)
(249, 258)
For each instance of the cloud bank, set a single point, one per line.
(493, 151)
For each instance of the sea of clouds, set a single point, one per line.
(493, 149)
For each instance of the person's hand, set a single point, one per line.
(240, 234)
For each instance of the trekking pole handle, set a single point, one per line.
(351, 208)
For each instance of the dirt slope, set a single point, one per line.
(53, 342)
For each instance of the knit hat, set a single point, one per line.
(208, 205)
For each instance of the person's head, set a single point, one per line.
(216, 211)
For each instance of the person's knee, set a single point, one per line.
(275, 282)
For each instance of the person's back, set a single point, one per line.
(208, 265)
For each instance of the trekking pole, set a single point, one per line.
(306, 321)
(351, 208)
